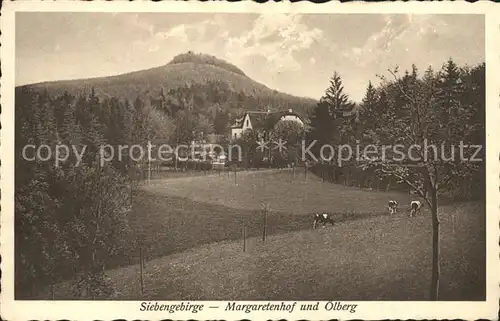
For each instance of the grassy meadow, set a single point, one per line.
(192, 228)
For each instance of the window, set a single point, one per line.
(248, 123)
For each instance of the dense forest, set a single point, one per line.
(211, 107)
(71, 217)
(444, 107)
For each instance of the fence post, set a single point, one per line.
(453, 222)
(149, 170)
(141, 262)
(264, 233)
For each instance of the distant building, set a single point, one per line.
(203, 150)
(262, 121)
(214, 138)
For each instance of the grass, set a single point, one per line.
(379, 258)
(174, 224)
(279, 189)
(192, 240)
(190, 211)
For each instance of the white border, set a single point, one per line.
(107, 310)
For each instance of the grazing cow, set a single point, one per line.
(415, 207)
(393, 207)
(322, 218)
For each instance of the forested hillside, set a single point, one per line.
(195, 84)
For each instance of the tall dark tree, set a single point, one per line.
(369, 105)
(323, 128)
(335, 97)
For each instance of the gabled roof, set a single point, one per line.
(238, 123)
(263, 120)
(273, 118)
(258, 119)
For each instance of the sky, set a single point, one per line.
(296, 54)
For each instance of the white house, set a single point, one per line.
(262, 121)
(240, 125)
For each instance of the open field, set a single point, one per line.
(379, 258)
(191, 230)
(170, 222)
(279, 189)
(185, 212)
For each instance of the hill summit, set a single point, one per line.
(200, 58)
(186, 69)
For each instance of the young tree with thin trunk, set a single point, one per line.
(431, 145)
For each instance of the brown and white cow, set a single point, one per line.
(323, 219)
(393, 207)
(415, 207)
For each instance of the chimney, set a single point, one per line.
(290, 110)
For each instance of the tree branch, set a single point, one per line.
(401, 88)
(405, 180)
(446, 182)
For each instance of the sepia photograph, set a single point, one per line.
(248, 156)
